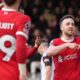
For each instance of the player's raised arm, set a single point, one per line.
(31, 51)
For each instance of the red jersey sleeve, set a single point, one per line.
(24, 26)
(30, 51)
(22, 36)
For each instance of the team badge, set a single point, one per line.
(27, 27)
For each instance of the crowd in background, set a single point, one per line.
(45, 15)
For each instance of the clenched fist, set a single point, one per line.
(37, 41)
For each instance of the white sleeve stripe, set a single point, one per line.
(22, 34)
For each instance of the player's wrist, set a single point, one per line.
(22, 69)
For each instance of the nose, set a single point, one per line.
(71, 25)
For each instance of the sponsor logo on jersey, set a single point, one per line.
(67, 57)
(60, 59)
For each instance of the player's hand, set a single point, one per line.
(73, 45)
(37, 41)
(22, 77)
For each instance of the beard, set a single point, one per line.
(69, 33)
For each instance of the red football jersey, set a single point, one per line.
(67, 62)
(12, 24)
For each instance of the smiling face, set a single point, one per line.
(68, 27)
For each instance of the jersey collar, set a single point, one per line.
(70, 40)
(8, 9)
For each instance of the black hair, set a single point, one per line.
(66, 17)
(10, 2)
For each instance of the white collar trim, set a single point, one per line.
(70, 40)
(8, 9)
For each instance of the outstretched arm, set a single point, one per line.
(31, 51)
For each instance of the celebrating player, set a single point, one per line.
(14, 30)
(66, 51)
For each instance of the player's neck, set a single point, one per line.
(67, 38)
(15, 7)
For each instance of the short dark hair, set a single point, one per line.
(10, 2)
(66, 17)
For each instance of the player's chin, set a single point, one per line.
(70, 33)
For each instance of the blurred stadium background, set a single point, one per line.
(45, 15)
